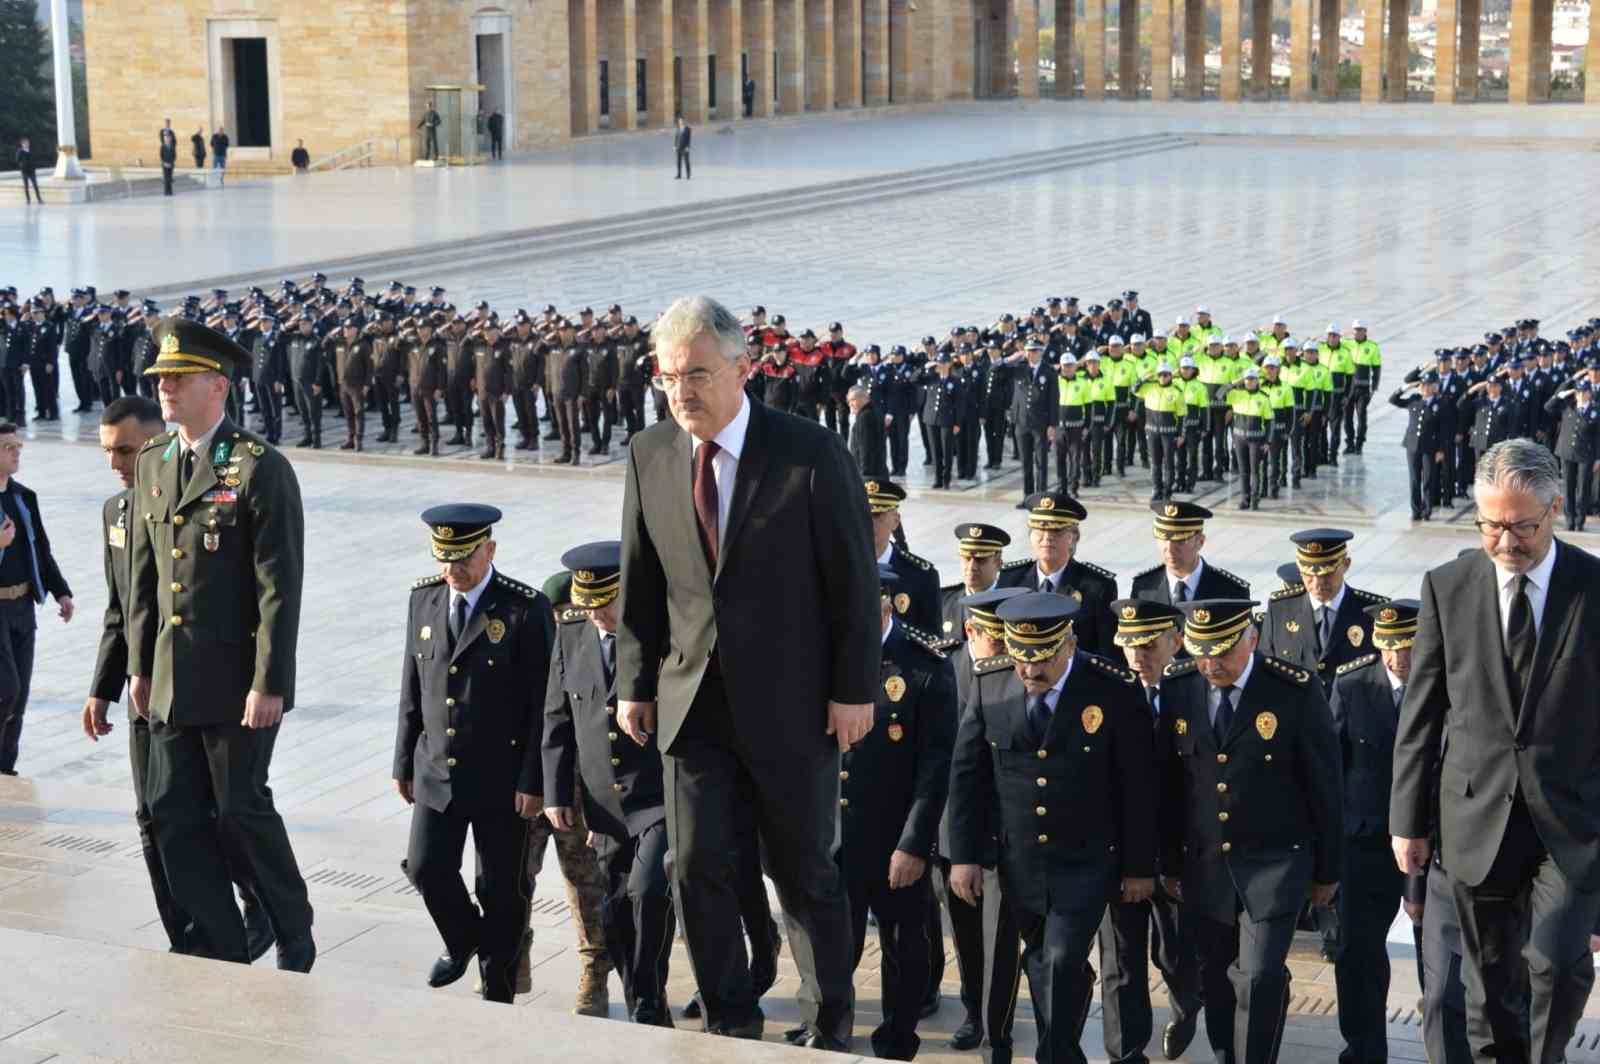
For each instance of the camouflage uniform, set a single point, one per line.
(586, 887)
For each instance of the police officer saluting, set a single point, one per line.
(1054, 760)
(1367, 693)
(1250, 817)
(467, 752)
(623, 801)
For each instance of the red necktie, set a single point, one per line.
(705, 499)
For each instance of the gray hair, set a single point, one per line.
(692, 317)
(855, 390)
(1520, 465)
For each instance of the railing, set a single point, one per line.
(360, 154)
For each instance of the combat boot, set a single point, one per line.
(594, 996)
(524, 984)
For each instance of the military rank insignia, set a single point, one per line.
(895, 688)
(1267, 725)
(1356, 635)
(1093, 717)
(1181, 726)
(897, 732)
(1292, 626)
(426, 633)
(495, 630)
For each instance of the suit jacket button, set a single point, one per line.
(1222, 788)
(844, 803)
(1227, 847)
(1222, 817)
(176, 586)
(611, 735)
(513, 742)
(844, 775)
(450, 732)
(177, 552)
(452, 670)
(491, 662)
(1222, 759)
(616, 786)
(616, 761)
(450, 761)
(1044, 838)
(178, 621)
(449, 701)
(1269, 757)
(1043, 754)
(1038, 810)
(177, 519)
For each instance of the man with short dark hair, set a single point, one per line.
(300, 159)
(680, 141)
(29, 170)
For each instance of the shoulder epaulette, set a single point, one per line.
(1020, 563)
(515, 585)
(917, 560)
(1107, 573)
(1359, 663)
(428, 581)
(1179, 667)
(159, 439)
(571, 615)
(1230, 577)
(1288, 670)
(1288, 592)
(1148, 572)
(1368, 596)
(1111, 668)
(950, 587)
(984, 666)
(929, 642)
(1259, 617)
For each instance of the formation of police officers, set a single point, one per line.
(1513, 384)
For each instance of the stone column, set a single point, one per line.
(1519, 86)
(875, 42)
(1398, 49)
(583, 22)
(692, 37)
(1471, 24)
(1194, 49)
(1261, 49)
(1300, 21)
(655, 28)
(1543, 26)
(1230, 85)
(1160, 47)
(1444, 53)
(1328, 50)
(1591, 60)
(727, 41)
(1128, 50)
(1024, 16)
(67, 167)
(1066, 71)
(961, 50)
(900, 73)
(758, 30)
(846, 53)
(1094, 49)
(791, 38)
(1372, 50)
(622, 34)
(819, 55)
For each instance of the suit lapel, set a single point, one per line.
(747, 481)
(487, 604)
(1560, 613)
(205, 474)
(680, 498)
(1484, 598)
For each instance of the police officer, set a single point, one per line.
(1425, 440)
(1366, 705)
(1132, 934)
(1054, 759)
(1072, 445)
(1183, 575)
(425, 353)
(1323, 623)
(1578, 447)
(491, 360)
(1367, 359)
(1250, 817)
(600, 389)
(1164, 412)
(303, 352)
(621, 796)
(1035, 411)
(1053, 535)
(944, 410)
(388, 373)
(567, 365)
(632, 348)
(459, 369)
(994, 403)
(1250, 418)
(269, 371)
(467, 750)
(349, 352)
(980, 548)
(916, 599)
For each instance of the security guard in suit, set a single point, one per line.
(980, 548)
(1055, 762)
(621, 793)
(1183, 574)
(916, 598)
(1323, 623)
(467, 751)
(1053, 534)
(1367, 693)
(1133, 934)
(1251, 806)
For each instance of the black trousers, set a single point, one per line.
(1217, 444)
(458, 401)
(496, 145)
(1525, 920)
(994, 439)
(1466, 465)
(173, 919)
(1335, 421)
(46, 389)
(31, 177)
(1579, 494)
(166, 179)
(900, 444)
(271, 404)
(1125, 437)
(709, 775)
(433, 864)
(967, 448)
(1189, 455)
(387, 393)
(945, 442)
(1444, 995)
(902, 953)
(208, 795)
(983, 933)
(1035, 460)
(1250, 458)
(601, 414)
(1069, 458)
(431, 144)
(1246, 985)
(1163, 463)
(18, 627)
(311, 413)
(1355, 416)
(1424, 482)
(684, 167)
(1369, 896)
(636, 914)
(1130, 937)
(632, 409)
(82, 380)
(1277, 454)
(1060, 982)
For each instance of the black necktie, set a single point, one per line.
(608, 650)
(1521, 639)
(1324, 619)
(458, 618)
(1150, 696)
(187, 471)
(1399, 696)
(1182, 593)
(1224, 715)
(1038, 718)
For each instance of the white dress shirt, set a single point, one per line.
(1052, 696)
(887, 628)
(725, 466)
(1214, 696)
(1332, 606)
(1191, 582)
(1538, 589)
(201, 445)
(1055, 578)
(473, 595)
(1396, 684)
(888, 554)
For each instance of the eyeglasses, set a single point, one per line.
(1518, 529)
(694, 380)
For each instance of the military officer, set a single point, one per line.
(425, 369)
(350, 354)
(617, 782)
(1053, 533)
(1055, 762)
(916, 599)
(1366, 704)
(1249, 771)
(467, 750)
(980, 548)
(1322, 624)
(1149, 634)
(1183, 574)
(491, 359)
(304, 355)
(217, 555)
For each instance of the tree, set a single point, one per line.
(27, 106)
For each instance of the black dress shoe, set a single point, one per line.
(691, 1011)
(929, 1006)
(968, 1036)
(750, 1029)
(653, 1014)
(1177, 1036)
(258, 933)
(448, 968)
(797, 1036)
(297, 954)
(827, 1043)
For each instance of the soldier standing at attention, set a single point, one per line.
(304, 350)
(491, 357)
(467, 753)
(218, 554)
(425, 366)
(388, 374)
(351, 356)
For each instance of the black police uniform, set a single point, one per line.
(1092, 587)
(1424, 442)
(269, 371)
(1155, 585)
(944, 409)
(1290, 631)
(1035, 409)
(916, 596)
(1578, 446)
(994, 392)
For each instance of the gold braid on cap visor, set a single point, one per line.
(596, 594)
(1218, 639)
(1175, 530)
(450, 549)
(1319, 563)
(1394, 637)
(1137, 635)
(987, 623)
(1025, 643)
(1050, 520)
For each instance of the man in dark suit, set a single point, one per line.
(681, 138)
(467, 751)
(1506, 649)
(1076, 829)
(744, 532)
(869, 444)
(1035, 410)
(218, 549)
(1321, 623)
(916, 598)
(1183, 574)
(621, 790)
(1249, 773)
(1366, 699)
(1053, 535)
(980, 548)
